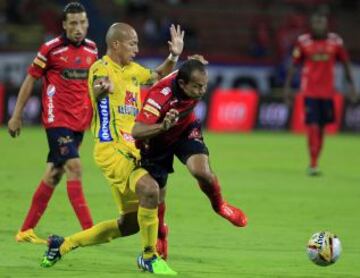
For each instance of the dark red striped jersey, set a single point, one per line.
(63, 68)
(318, 58)
(162, 97)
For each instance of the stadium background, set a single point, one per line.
(247, 44)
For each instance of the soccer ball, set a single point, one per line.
(324, 248)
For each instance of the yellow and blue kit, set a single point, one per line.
(113, 119)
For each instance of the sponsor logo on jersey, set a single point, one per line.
(165, 91)
(320, 57)
(104, 116)
(50, 92)
(127, 137)
(79, 74)
(153, 103)
(152, 110)
(130, 107)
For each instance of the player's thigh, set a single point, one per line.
(114, 164)
(327, 111)
(52, 174)
(126, 201)
(159, 165)
(312, 110)
(63, 145)
(191, 143)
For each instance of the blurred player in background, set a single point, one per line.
(114, 83)
(63, 65)
(318, 53)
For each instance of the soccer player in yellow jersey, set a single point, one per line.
(114, 84)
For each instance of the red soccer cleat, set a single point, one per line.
(233, 214)
(162, 244)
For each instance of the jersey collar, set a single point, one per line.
(68, 42)
(107, 59)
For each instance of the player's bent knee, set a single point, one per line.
(147, 187)
(53, 177)
(203, 176)
(128, 224)
(73, 168)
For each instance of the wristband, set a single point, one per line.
(173, 58)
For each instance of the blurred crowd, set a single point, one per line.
(250, 31)
(256, 32)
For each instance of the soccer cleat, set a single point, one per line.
(155, 265)
(233, 214)
(52, 255)
(29, 236)
(162, 244)
(313, 171)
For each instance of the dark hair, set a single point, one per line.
(73, 8)
(187, 68)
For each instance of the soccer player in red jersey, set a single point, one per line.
(318, 52)
(63, 65)
(167, 127)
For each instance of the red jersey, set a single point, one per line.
(64, 70)
(318, 58)
(162, 97)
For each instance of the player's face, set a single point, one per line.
(76, 26)
(128, 48)
(319, 25)
(197, 85)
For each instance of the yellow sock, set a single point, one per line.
(148, 223)
(100, 233)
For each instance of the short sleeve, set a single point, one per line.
(39, 65)
(144, 75)
(341, 53)
(150, 113)
(97, 70)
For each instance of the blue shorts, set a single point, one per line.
(319, 111)
(159, 164)
(63, 144)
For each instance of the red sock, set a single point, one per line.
(213, 192)
(78, 202)
(39, 203)
(314, 143)
(161, 216)
(321, 139)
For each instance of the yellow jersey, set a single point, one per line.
(114, 115)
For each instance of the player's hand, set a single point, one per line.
(170, 119)
(176, 45)
(14, 126)
(288, 97)
(353, 96)
(198, 57)
(103, 86)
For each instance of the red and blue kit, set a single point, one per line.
(63, 68)
(162, 97)
(318, 57)
(182, 140)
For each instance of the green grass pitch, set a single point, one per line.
(263, 173)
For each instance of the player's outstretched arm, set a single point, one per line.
(143, 131)
(176, 46)
(15, 122)
(287, 86)
(349, 77)
(102, 87)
